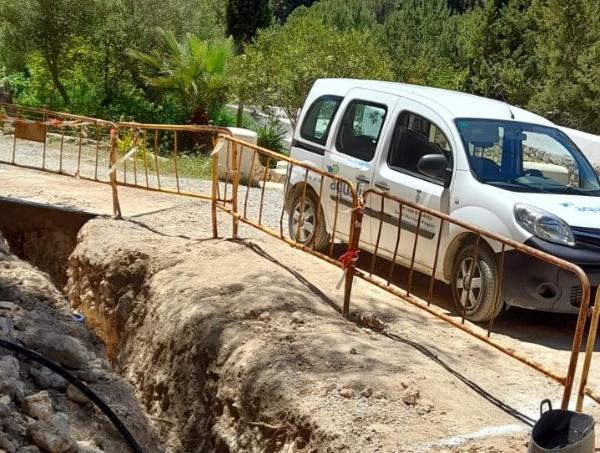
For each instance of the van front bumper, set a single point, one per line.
(538, 285)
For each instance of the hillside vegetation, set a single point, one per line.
(174, 60)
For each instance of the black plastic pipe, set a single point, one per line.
(133, 445)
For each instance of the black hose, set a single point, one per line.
(80, 386)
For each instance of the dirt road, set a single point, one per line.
(477, 392)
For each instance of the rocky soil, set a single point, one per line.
(238, 346)
(231, 350)
(40, 411)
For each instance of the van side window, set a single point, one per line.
(317, 121)
(414, 137)
(360, 129)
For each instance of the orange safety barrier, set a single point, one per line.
(235, 176)
(308, 182)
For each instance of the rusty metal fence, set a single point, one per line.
(42, 140)
(59, 143)
(403, 225)
(164, 158)
(410, 225)
(167, 158)
(240, 167)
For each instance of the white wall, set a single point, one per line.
(589, 144)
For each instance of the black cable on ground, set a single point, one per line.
(32, 355)
(419, 347)
(469, 383)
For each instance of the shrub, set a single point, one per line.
(271, 136)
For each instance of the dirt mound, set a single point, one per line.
(38, 409)
(232, 350)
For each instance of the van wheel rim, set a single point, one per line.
(470, 296)
(308, 222)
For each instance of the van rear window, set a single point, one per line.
(317, 121)
(360, 129)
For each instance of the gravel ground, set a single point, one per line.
(545, 337)
(31, 154)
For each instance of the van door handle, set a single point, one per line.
(382, 185)
(363, 179)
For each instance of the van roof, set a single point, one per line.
(452, 104)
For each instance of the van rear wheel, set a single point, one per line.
(312, 231)
(476, 284)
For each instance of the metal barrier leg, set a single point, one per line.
(355, 230)
(113, 174)
(577, 340)
(234, 189)
(589, 350)
(215, 191)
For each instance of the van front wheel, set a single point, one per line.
(311, 231)
(475, 283)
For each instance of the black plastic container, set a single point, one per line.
(562, 431)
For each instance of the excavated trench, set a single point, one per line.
(231, 349)
(196, 401)
(43, 235)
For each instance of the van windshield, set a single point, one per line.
(526, 157)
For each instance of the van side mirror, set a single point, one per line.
(435, 166)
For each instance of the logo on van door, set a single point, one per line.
(333, 169)
(342, 188)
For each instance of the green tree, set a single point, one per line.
(193, 69)
(354, 14)
(421, 38)
(50, 28)
(502, 61)
(279, 68)
(463, 5)
(283, 8)
(568, 48)
(245, 17)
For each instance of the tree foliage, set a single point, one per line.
(245, 17)
(421, 40)
(502, 61)
(50, 28)
(569, 53)
(194, 69)
(283, 8)
(282, 64)
(72, 54)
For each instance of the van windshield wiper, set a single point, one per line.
(575, 191)
(513, 183)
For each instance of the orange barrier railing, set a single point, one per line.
(408, 234)
(167, 158)
(151, 157)
(306, 182)
(60, 143)
(251, 163)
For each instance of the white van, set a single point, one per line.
(482, 161)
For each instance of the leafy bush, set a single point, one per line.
(271, 136)
(227, 117)
(192, 69)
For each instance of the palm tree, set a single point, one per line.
(194, 69)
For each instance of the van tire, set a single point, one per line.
(485, 296)
(318, 239)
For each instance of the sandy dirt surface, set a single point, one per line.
(481, 400)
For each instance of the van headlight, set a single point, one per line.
(544, 225)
